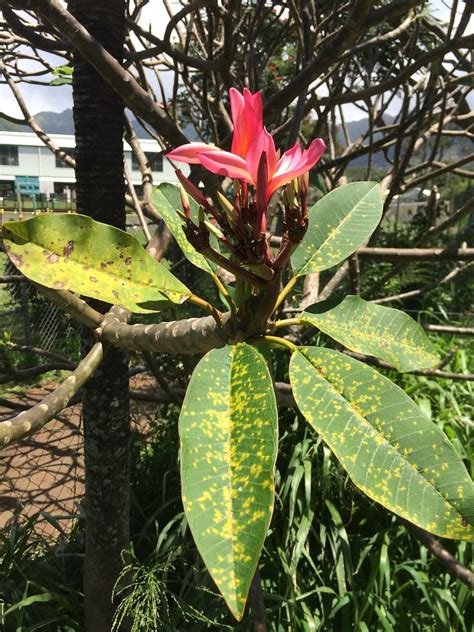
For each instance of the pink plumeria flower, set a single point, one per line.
(250, 141)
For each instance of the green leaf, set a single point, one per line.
(74, 252)
(229, 432)
(339, 223)
(383, 332)
(167, 199)
(391, 451)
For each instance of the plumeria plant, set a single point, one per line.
(229, 422)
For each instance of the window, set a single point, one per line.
(9, 155)
(7, 188)
(155, 160)
(60, 164)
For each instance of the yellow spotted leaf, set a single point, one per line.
(391, 451)
(74, 252)
(228, 431)
(383, 332)
(339, 223)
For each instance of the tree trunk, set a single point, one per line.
(99, 122)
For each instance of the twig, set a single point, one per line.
(450, 563)
(136, 203)
(417, 254)
(257, 604)
(448, 329)
(448, 375)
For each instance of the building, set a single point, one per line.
(30, 171)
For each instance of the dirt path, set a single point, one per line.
(45, 472)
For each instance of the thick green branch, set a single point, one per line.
(187, 336)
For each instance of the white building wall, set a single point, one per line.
(37, 160)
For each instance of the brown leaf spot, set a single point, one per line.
(128, 261)
(115, 293)
(17, 260)
(68, 248)
(53, 258)
(58, 285)
(465, 523)
(93, 279)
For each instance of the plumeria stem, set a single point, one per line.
(275, 340)
(208, 307)
(287, 322)
(286, 290)
(223, 290)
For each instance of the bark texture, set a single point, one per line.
(99, 127)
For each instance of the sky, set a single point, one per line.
(58, 98)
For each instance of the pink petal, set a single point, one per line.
(247, 112)
(189, 153)
(316, 150)
(224, 163)
(236, 103)
(262, 142)
(296, 164)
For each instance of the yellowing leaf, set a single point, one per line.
(167, 199)
(391, 451)
(229, 432)
(339, 223)
(383, 332)
(74, 252)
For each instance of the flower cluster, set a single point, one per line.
(257, 170)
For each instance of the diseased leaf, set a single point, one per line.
(228, 430)
(383, 332)
(391, 451)
(74, 252)
(339, 223)
(167, 199)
